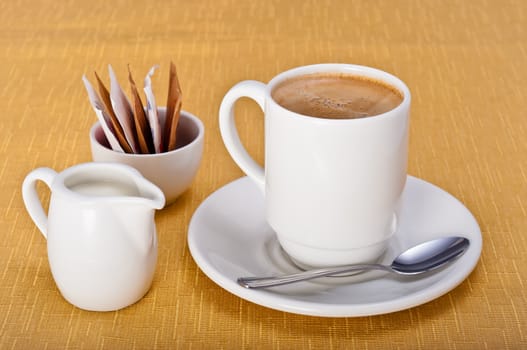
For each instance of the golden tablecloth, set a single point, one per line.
(465, 62)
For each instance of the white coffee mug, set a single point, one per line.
(331, 186)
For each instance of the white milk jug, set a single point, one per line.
(100, 231)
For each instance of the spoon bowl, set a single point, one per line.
(418, 259)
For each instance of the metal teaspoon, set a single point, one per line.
(421, 258)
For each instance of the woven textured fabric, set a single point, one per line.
(464, 61)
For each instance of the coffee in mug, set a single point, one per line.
(336, 140)
(336, 96)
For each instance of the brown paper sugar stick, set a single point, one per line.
(174, 102)
(123, 110)
(173, 127)
(102, 115)
(116, 126)
(144, 134)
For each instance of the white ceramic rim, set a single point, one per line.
(59, 182)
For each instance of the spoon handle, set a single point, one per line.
(263, 282)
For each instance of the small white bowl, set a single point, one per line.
(172, 171)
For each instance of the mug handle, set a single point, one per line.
(30, 196)
(256, 91)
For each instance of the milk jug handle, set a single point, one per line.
(31, 199)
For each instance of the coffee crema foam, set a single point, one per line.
(336, 96)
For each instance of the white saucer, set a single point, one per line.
(229, 238)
